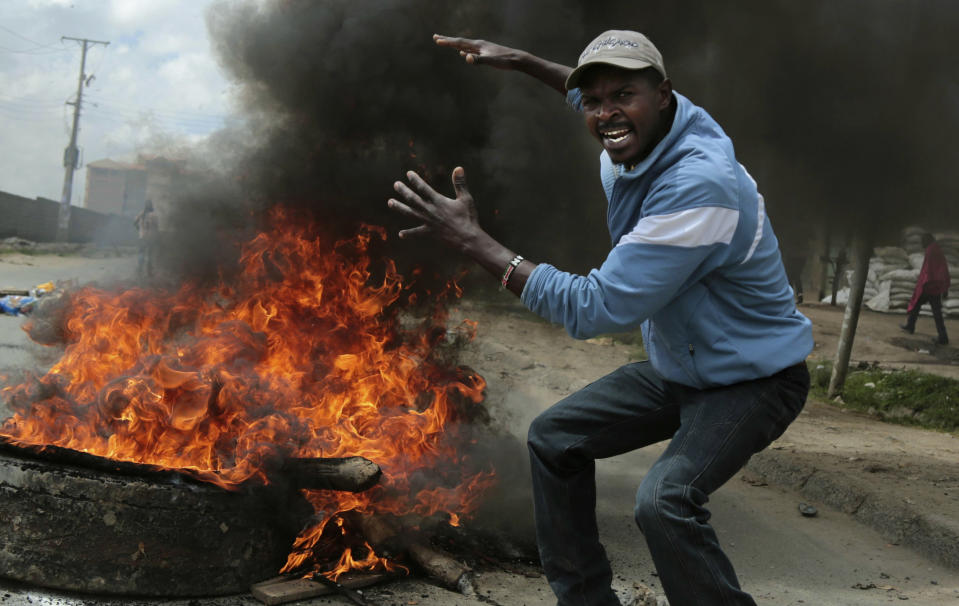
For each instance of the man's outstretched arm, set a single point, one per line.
(481, 52)
(453, 221)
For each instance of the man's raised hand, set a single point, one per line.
(480, 52)
(451, 220)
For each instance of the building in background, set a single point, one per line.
(118, 188)
(122, 188)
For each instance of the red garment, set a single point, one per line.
(933, 277)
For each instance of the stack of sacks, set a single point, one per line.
(893, 272)
(912, 240)
(890, 280)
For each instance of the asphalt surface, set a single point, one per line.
(839, 557)
(23, 272)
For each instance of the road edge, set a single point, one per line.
(897, 520)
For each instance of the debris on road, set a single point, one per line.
(16, 302)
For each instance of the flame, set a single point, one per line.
(303, 355)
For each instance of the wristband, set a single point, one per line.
(509, 271)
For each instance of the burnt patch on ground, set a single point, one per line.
(919, 344)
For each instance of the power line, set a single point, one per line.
(24, 38)
(29, 109)
(31, 103)
(116, 113)
(103, 56)
(35, 118)
(172, 119)
(39, 45)
(175, 113)
(34, 52)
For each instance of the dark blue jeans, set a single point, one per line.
(713, 433)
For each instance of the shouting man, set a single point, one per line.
(695, 263)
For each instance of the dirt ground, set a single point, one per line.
(846, 459)
(831, 457)
(879, 339)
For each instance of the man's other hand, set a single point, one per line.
(451, 220)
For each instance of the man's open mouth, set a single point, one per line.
(616, 135)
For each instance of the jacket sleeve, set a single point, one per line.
(684, 235)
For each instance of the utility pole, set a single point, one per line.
(71, 155)
(861, 250)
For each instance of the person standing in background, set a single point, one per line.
(931, 287)
(148, 228)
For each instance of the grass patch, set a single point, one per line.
(908, 397)
(22, 251)
(68, 249)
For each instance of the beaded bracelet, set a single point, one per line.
(509, 270)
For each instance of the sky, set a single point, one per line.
(156, 84)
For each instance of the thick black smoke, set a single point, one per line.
(844, 112)
(342, 97)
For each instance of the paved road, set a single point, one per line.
(19, 271)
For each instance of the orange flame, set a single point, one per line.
(302, 356)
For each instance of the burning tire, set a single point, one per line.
(121, 528)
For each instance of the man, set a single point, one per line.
(696, 264)
(148, 229)
(931, 287)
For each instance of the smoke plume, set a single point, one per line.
(839, 110)
(341, 98)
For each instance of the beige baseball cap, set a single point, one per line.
(622, 48)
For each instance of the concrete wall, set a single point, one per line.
(29, 219)
(36, 220)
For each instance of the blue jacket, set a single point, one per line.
(694, 262)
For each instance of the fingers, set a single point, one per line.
(459, 182)
(422, 187)
(410, 197)
(469, 49)
(434, 211)
(461, 43)
(403, 209)
(414, 231)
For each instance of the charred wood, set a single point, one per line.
(440, 566)
(283, 589)
(450, 572)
